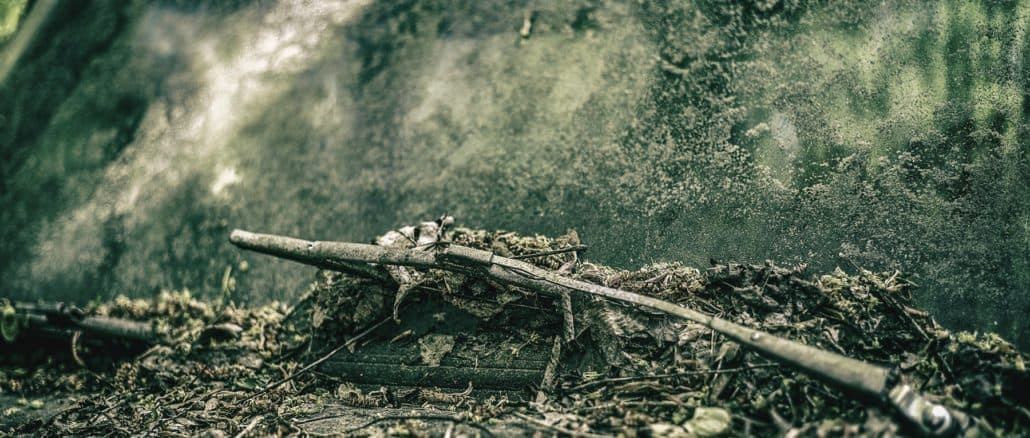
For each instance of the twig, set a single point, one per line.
(160, 422)
(75, 349)
(250, 426)
(625, 403)
(560, 430)
(316, 363)
(550, 371)
(424, 417)
(574, 248)
(593, 383)
(568, 317)
(318, 418)
(779, 421)
(105, 411)
(474, 298)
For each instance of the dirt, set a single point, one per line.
(463, 355)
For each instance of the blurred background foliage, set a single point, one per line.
(883, 135)
(10, 14)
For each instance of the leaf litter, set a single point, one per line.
(609, 369)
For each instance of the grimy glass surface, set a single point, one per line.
(882, 135)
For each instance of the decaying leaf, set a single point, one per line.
(433, 347)
(708, 422)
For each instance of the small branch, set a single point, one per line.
(568, 317)
(574, 248)
(539, 424)
(597, 382)
(316, 363)
(250, 426)
(75, 349)
(550, 371)
(426, 417)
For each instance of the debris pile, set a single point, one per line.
(430, 348)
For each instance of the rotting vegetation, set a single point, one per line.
(885, 133)
(448, 352)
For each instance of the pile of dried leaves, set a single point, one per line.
(607, 368)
